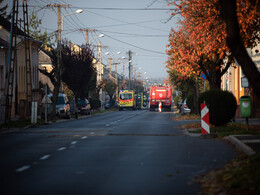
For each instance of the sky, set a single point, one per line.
(137, 25)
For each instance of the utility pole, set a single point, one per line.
(139, 77)
(86, 30)
(11, 65)
(59, 33)
(116, 80)
(124, 68)
(110, 65)
(59, 68)
(130, 69)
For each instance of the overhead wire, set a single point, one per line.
(132, 34)
(115, 19)
(158, 52)
(76, 24)
(118, 9)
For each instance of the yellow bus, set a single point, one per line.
(126, 99)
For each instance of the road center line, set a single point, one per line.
(45, 157)
(62, 148)
(21, 169)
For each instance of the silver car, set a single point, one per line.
(62, 106)
(184, 108)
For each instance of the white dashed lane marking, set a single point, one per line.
(84, 137)
(21, 169)
(74, 142)
(45, 157)
(62, 148)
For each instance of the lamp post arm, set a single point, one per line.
(63, 18)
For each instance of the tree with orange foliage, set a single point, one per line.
(203, 31)
(236, 39)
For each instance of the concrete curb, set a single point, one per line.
(186, 132)
(240, 145)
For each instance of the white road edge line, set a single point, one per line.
(62, 148)
(45, 157)
(21, 169)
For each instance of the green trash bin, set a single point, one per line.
(245, 106)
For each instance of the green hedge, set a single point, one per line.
(95, 103)
(222, 106)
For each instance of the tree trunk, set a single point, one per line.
(76, 105)
(54, 98)
(195, 97)
(236, 45)
(215, 81)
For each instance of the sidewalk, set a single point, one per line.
(248, 144)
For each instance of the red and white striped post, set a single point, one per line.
(160, 106)
(204, 119)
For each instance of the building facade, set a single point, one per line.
(19, 81)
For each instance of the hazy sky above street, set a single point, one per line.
(136, 25)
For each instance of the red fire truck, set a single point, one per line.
(160, 93)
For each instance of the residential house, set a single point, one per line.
(45, 63)
(19, 84)
(233, 78)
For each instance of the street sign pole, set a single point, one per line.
(203, 76)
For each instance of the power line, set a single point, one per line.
(115, 19)
(158, 52)
(132, 34)
(117, 9)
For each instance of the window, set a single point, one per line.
(60, 100)
(126, 96)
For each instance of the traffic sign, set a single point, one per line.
(204, 119)
(203, 76)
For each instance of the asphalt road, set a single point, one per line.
(126, 152)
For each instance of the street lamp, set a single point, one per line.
(99, 36)
(76, 12)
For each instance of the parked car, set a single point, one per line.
(62, 106)
(107, 105)
(184, 107)
(83, 106)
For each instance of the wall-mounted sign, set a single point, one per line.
(244, 82)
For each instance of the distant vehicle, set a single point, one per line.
(160, 94)
(139, 101)
(62, 106)
(107, 105)
(145, 101)
(83, 106)
(184, 107)
(126, 99)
